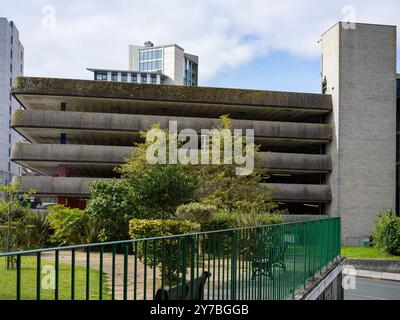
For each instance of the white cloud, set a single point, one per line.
(224, 33)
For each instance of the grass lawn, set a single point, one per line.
(366, 253)
(28, 282)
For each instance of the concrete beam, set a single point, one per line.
(301, 192)
(55, 186)
(35, 125)
(70, 186)
(27, 86)
(44, 159)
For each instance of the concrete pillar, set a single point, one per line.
(360, 69)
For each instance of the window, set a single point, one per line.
(10, 82)
(144, 78)
(101, 76)
(10, 67)
(150, 60)
(114, 76)
(133, 77)
(11, 54)
(10, 110)
(153, 78)
(124, 77)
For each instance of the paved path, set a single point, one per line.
(373, 289)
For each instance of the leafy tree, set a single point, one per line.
(112, 204)
(223, 187)
(157, 189)
(161, 189)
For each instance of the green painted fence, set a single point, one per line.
(256, 263)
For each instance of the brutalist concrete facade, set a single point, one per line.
(331, 153)
(80, 130)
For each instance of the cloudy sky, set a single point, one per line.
(258, 44)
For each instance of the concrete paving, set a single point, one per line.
(373, 289)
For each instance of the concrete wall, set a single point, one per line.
(173, 63)
(359, 65)
(134, 123)
(79, 186)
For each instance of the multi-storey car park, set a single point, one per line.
(331, 153)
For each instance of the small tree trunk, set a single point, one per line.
(9, 238)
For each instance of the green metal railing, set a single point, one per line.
(256, 263)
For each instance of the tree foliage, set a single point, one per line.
(112, 204)
(221, 186)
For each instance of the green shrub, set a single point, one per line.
(196, 212)
(111, 204)
(163, 250)
(33, 230)
(386, 235)
(225, 220)
(251, 220)
(72, 226)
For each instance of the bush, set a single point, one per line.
(72, 226)
(143, 228)
(111, 204)
(33, 230)
(196, 212)
(225, 220)
(252, 220)
(386, 233)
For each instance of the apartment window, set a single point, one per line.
(12, 39)
(133, 77)
(114, 76)
(10, 110)
(22, 55)
(10, 96)
(10, 82)
(153, 78)
(124, 77)
(10, 67)
(9, 138)
(144, 78)
(102, 76)
(11, 54)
